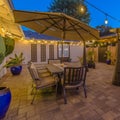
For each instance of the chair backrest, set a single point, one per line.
(33, 72)
(74, 75)
(52, 61)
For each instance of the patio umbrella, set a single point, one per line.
(56, 24)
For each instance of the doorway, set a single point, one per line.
(101, 54)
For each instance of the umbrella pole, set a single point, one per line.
(84, 55)
(62, 52)
(63, 38)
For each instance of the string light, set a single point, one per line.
(52, 42)
(108, 15)
(106, 20)
(82, 9)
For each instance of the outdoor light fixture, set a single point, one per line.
(35, 41)
(106, 20)
(82, 9)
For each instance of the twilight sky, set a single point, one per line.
(111, 7)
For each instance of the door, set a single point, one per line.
(101, 54)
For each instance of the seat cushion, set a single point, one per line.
(44, 74)
(46, 81)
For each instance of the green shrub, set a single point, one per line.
(9, 44)
(2, 49)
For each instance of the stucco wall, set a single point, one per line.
(22, 47)
(26, 49)
(76, 51)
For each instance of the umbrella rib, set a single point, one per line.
(76, 30)
(56, 23)
(84, 51)
(86, 31)
(72, 25)
(51, 24)
(34, 20)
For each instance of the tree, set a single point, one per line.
(74, 8)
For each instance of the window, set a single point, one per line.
(66, 50)
(43, 53)
(34, 52)
(51, 51)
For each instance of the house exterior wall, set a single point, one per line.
(26, 49)
(22, 47)
(76, 51)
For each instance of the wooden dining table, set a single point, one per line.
(55, 69)
(58, 70)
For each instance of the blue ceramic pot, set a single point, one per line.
(5, 98)
(16, 70)
(108, 62)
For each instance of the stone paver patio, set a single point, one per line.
(102, 103)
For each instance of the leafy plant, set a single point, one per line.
(2, 49)
(80, 59)
(2, 56)
(15, 61)
(108, 55)
(91, 58)
(90, 55)
(9, 44)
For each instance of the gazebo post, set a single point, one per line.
(116, 76)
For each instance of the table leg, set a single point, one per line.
(59, 88)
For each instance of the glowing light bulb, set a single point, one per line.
(106, 21)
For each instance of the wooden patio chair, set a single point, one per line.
(40, 83)
(74, 77)
(41, 69)
(54, 61)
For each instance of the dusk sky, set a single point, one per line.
(111, 7)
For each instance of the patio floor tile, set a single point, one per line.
(102, 103)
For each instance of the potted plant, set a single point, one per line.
(5, 99)
(80, 60)
(5, 93)
(108, 57)
(90, 59)
(15, 64)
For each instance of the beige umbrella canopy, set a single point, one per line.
(56, 24)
